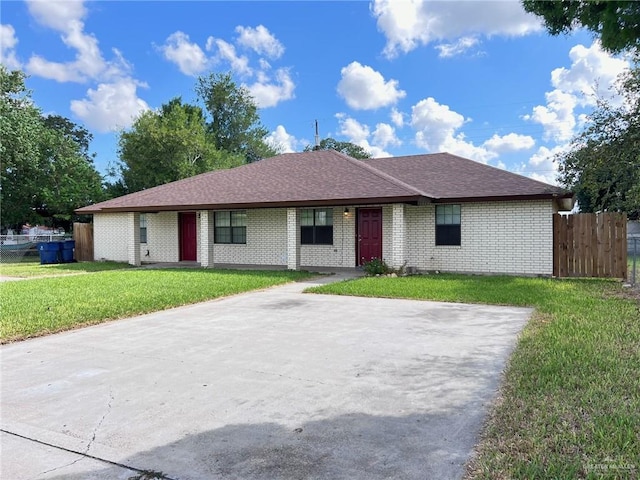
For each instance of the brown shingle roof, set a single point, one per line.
(330, 178)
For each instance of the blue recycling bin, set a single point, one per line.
(48, 252)
(66, 253)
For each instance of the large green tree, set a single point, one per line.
(348, 148)
(616, 23)
(167, 145)
(46, 171)
(603, 164)
(233, 118)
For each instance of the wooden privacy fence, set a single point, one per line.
(590, 245)
(83, 235)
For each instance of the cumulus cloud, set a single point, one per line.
(110, 106)
(397, 117)
(260, 40)
(188, 56)
(511, 142)
(227, 52)
(359, 133)
(268, 92)
(282, 141)
(458, 47)
(411, 23)
(385, 135)
(438, 129)
(591, 75)
(8, 42)
(363, 88)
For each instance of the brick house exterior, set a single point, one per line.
(306, 210)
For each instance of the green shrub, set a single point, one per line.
(376, 266)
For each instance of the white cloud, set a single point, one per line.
(358, 134)
(511, 142)
(282, 141)
(8, 42)
(110, 106)
(188, 56)
(363, 88)
(227, 52)
(408, 24)
(57, 15)
(260, 40)
(397, 117)
(438, 130)
(592, 74)
(460, 46)
(541, 166)
(385, 135)
(268, 93)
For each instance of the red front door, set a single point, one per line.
(188, 237)
(369, 234)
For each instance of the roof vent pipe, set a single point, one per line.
(317, 145)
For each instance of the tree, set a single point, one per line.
(46, 170)
(20, 131)
(603, 164)
(167, 145)
(616, 23)
(234, 122)
(348, 148)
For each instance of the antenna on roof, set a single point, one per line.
(317, 145)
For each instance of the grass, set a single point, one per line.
(30, 267)
(569, 405)
(45, 305)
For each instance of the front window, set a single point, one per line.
(143, 228)
(448, 224)
(230, 227)
(316, 226)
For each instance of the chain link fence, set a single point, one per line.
(633, 259)
(16, 248)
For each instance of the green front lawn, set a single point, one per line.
(30, 267)
(45, 305)
(569, 406)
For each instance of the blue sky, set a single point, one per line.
(479, 79)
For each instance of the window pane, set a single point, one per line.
(447, 214)
(448, 235)
(324, 216)
(324, 235)
(239, 235)
(223, 219)
(306, 217)
(143, 234)
(239, 219)
(222, 235)
(306, 235)
(143, 220)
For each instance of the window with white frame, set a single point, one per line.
(230, 227)
(448, 222)
(316, 226)
(143, 228)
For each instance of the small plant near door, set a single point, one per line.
(376, 266)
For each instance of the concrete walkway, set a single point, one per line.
(273, 384)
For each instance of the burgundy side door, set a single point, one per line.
(369, 234)
(188, 236)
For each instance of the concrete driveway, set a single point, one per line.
(273, 384)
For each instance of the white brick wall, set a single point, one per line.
(162, 238)
(266, 240)
(497, 237)
(109, 237)
(342, 253)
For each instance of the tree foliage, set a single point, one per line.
(234, 122)
(616, 23)
(47, 170)
(603, 163)
(348, 148)
(167, 145)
